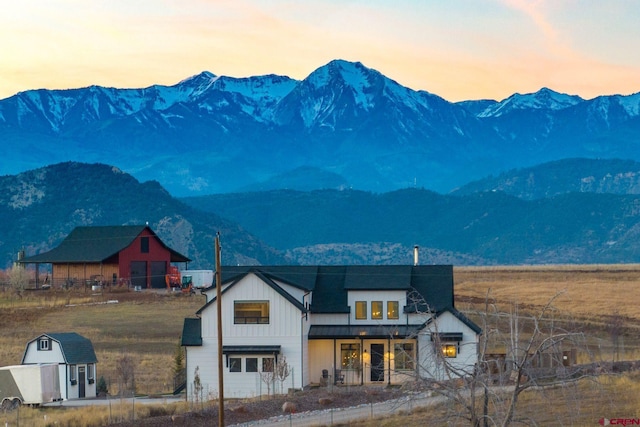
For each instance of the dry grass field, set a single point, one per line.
(143, 325)
(147, 325)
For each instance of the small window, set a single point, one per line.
(449, 350)
(361, 309)
(267, 364)
(392, 310)
(44, 344)
(144, 245)
(350, 356)
(72, 374)
(235, 364)
(90, 373)
(376, 310)
(250, 312)
(252, 364)
(403, 356)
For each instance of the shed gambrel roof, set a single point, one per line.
(96, 244)
(75, 348)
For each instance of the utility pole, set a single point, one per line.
(219, 305)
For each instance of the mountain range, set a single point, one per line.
(40, 207)
(343, 126)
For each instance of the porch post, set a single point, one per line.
(361, 361)
(389, 359)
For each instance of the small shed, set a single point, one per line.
(131, 254)
(75, 357)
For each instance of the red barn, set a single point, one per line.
(114, 254)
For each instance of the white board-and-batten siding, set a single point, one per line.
(287, 327)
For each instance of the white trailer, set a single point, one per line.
(29, 385)
(200, 279)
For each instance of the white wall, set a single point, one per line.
(287, 328)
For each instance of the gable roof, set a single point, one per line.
(97, 244)
(433, 284)
(75, 348)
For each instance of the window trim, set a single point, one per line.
(235, 364)
(396, 310)
(361, 310)
(73, 375)
(246, 320)
(380, 314)
(354, 358)
(246, 364)
(44, 344)
(407, 356)
(450, 350)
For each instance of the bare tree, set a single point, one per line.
(487, 392)
(268, 373)
(125, 372)
(282, 371)
(18, 278)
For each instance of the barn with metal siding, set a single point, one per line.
(131, 254)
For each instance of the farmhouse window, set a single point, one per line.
(44, 344)
(392, 310)
(235, 364)
(250, 312)
(449, 350)
(252, 364)
(350, 356)
(404, 356)
(268, 364)
(72, 375)
(376, 310)
(361, 310)
(144, 245)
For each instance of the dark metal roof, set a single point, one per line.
(96, 244)
(250, 349)
(446, 336)
(191, 332)
(433, 284)
(363, 331)
(75, 348)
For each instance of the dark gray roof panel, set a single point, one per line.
(191, 332)
(381, 277)
(364, 331)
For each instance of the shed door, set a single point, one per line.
(158, 271)
(81, 381)
(138, 273)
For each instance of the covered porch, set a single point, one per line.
(358, 355)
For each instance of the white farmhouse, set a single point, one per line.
(331, 324)
(75, 357)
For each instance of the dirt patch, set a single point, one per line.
(238, 412)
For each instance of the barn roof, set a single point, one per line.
(96, 244)
(75, 348)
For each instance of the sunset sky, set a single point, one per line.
(458, 49)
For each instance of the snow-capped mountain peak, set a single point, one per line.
(545, 98)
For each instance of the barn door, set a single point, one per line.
(138, 273)
(158, 271)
